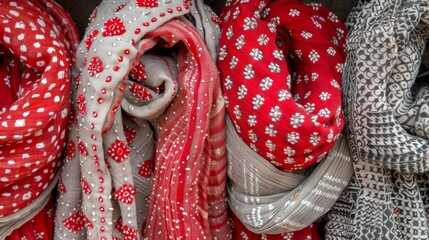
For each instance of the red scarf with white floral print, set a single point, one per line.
(37, 42)
(281, 67)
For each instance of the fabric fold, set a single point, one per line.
(281, 65)
(37, 44)
(146, 155)
(386, 122)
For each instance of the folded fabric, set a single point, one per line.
(386, 111)
(37, 43)
(281, 65)
(146, 156)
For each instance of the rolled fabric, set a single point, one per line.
(281, 65)
(146, 154)
(386, 112)
(37, 44)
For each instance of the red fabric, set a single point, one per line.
(37, 42)
(240, 232)
(282, 78)
(198, 171)
(281, 67)
(41, 227)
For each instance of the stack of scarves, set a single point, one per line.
(37, 43)
(146, 151)
(387, 117)
(281, 66)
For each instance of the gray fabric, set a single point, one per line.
(268, 200)
(387, 123)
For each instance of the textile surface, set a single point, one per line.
(146, 152)
(37, 45)
(281, 66)
(386, 110)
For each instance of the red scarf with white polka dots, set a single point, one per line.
(281, 66)
(37, 42)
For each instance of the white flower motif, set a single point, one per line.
(265, 12)
(314, 56)
(314, 138)
(330, 136)
(335, 41)
(294, 13)
(324, 96)
(230, 33)
(227, 16)
(315, 22)
(226, 100)
(309, 159)
(293, 137)
(324, 113)
(252, 136)
(237, 127)
(306, 35)
(284, 95)
(275, 114)
(296, 120)
(233, 62)
(339, 121)
(296, 97)
(314, 120)
(331, 51)
(242, 91)
(222, 53)
(278, 54)
(298, 53)
(252, 121)
(339, 67)
(272, 158)
(275, 20)
(263, 39)
(309, 107)
(270, 145)
(307, 151)
(258, 100)
(236, 13)
(248, 72)
(272, 27)
(237, 112)
(250, 23)
(307, 95)
(338, 112)
(240, 42)
(274, 67)
(289, 81)
(340, 32)
(289, 160)
(290, 152)
(256, 54)
(276, 164)
(315, 6)
(253, 146)
(266, 83)
(314, 76)
(228, 83)
(270, 130)
(332, 17)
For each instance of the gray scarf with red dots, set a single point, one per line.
(146, 150)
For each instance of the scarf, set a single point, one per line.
(37, 42)
(146, 154)
(281, 66)
(387, 124)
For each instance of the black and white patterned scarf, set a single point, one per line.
(387, 121)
